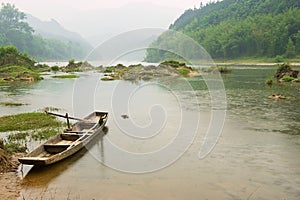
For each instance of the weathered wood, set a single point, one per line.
(69, 142)
(64, 116)
(55, 148)
(68, 121)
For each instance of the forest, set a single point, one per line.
(232, 29)
(16, 32)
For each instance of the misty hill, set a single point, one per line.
(106, 23)
(15, 31)
(238, 28)
(53, 30)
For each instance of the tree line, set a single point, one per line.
(15, 31)
(238, 28)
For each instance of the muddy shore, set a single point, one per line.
(9, 180)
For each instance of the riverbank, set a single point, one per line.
(10, 182)
(271, 64)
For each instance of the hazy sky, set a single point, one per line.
(46, 9)
(96, 20)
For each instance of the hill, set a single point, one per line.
(14, 30)
(233, 29)
(53, 30)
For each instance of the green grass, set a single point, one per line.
(15, 147)
(27, 121)
(66, 76)
(183, 71)
(43, 134)
(12, 104)
(17, 73)
(221, 69)
(17, 136)
(288, 79)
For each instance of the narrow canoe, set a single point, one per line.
(68, 142)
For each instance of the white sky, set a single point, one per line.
(47, 9)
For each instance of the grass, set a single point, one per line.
(12, 104)
(17, 136)
(15, 147)
(43, 134)
(66, 76)
(27, 121)
(183, 71)
(287, 79)
(221, 69)
(17, 73)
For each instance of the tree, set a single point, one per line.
(290, 49)
(11, 19)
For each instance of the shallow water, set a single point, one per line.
(256, 157)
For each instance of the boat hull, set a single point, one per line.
(68, 142)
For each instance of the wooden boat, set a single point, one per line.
(68, 141)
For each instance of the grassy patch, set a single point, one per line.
(18, 73)
(287, 79)
(43, 134)
(12, 104)
(66, 76)
(183, 71)
(221, 69)
(27, 121)
(14, 147)
(17, 136)
(173, 63)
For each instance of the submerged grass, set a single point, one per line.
(27, 121)
(17, 136)
(66, 76)
(12, 104)
(43, 134)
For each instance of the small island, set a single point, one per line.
(140, 72)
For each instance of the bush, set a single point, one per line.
(269, 82)
(279, 59)
(55, 68)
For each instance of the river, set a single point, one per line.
(255, 157)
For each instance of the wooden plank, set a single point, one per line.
(55, 148)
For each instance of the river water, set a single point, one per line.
(255, 157)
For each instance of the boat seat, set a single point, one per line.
(55, 148)
(70, 136)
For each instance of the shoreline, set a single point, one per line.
(10, 181)
(294, 64)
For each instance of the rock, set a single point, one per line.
(125, 116)
(285, 70)
(107, 78)
(277, 96)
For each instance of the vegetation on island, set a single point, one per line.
(14, 30)
(137, 72)
(66, 76)
(284, 74)
(74, 66)
(15, 66)
(231, 29)
(12, 104)
(220, 69)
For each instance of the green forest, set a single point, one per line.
(16, 32)
(233, 29)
